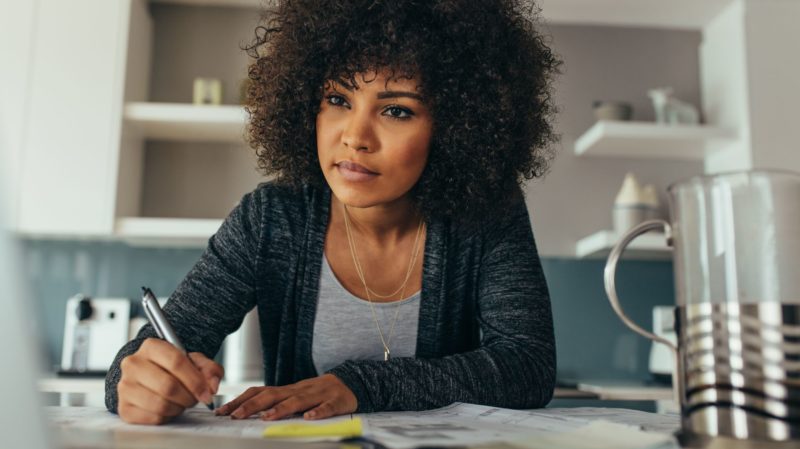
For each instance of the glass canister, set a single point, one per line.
(736, 252)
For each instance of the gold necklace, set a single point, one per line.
(402, 289)
(360, 270)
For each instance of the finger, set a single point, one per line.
(238, 400)
(211, 370)
(324, 410)
(134, 415)
(144, 399)
(160, 382)
(262, 401)
(178, 364)
(292, 405)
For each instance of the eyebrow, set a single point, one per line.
(397, 94)
(381, 95)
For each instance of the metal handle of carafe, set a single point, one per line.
(609, 277)
(611, 270)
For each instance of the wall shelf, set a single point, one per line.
(651, 140)
(678, 14)
(650, 246)
(627, 391)
(173, 232)
(187, 122)
(226, 3)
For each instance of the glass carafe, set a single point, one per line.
(736, 252)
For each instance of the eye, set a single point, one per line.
(397, 112)
(336, 100)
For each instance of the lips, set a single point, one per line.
(352, 166)
(352, 171)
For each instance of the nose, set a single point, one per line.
(358, 133)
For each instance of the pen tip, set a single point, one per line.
(210, 406)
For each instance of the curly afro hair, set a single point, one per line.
(485, 73)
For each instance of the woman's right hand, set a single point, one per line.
(159, 382)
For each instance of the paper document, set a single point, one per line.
(468, 424)
(650, 422)
(600, 435)
(455, 425)
(195, 421)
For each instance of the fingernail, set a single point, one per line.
(215, 384)
(269, 412)
(237, 414)
(311, 414)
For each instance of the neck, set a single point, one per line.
(384, 223)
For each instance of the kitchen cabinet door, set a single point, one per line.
(71, 134)
(16, 34)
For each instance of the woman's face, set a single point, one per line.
(373, 139)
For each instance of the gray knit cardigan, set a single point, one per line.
(485, 326)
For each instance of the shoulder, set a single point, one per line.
(492, 226)
(281, 199)
(274, 208)
(273, 190)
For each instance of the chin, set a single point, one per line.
(361, 196)
(354, 198)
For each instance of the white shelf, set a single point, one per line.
(648, 246)
(620, 391)
(173, 232)
(651, 140)
(187, 122)
(231, 3)
(680, 14)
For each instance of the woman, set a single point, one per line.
(392, 261)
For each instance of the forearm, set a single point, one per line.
(504, 375)
(114, 371)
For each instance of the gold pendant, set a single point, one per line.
(386, 354)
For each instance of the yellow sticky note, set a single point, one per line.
(344, 429)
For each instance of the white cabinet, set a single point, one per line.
(72, 120)
(104, 152)
(16, 40)
(750, 94)
(111, 146)
(183, 166)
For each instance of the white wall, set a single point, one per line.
(773, 67)
(750, 65)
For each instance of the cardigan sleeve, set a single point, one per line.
(515, 364)
(213, 298)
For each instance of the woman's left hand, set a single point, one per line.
(317, 398)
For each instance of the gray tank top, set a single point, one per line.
(344, 328)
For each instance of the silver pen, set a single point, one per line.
(162, 326)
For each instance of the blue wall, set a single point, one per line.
(57, 270)
(592, 343)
